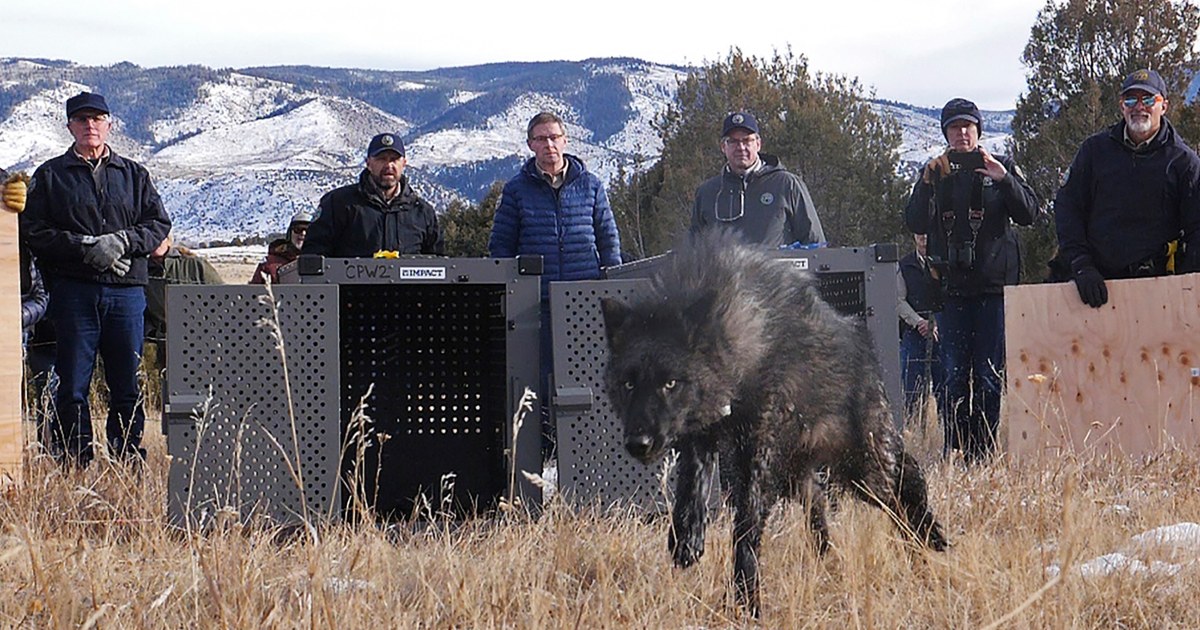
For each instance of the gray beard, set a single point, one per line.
(1139, 125)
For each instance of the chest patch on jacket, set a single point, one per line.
(766, 199)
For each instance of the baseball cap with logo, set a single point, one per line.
(1147, 80)
(739, 120)
(385, 142)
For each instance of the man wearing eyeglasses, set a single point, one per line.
(965, 202)
(92, 218)
(557, 209)
(1131, 196)
(754, 194)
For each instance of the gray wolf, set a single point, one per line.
(733, 356)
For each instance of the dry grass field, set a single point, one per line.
(93, 550)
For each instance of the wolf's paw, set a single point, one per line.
(687, 551)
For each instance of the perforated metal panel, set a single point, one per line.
(593, 465)
(254, 453)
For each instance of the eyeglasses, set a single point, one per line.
(744, 142)
(552, 138)
(1149, 100)
(83, 119)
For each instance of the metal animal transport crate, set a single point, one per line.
(593, 466)
(404, 375)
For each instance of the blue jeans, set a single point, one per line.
(92, 318)
(916, 353)
(972, 340)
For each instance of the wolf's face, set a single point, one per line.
(654, 377)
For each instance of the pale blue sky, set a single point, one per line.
(921, 51)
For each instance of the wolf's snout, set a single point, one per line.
(640, 446)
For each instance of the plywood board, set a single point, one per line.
(11, 360)
(1123, 378)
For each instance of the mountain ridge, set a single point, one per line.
(235, 152)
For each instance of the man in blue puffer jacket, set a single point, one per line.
(556, 209)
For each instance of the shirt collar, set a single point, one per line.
(554, 179)
(104, 157)
(1137, 146)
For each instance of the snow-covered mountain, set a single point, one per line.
(236, 152)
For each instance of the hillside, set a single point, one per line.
(236, 152)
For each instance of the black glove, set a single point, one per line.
(105, 251)
(1091, 287)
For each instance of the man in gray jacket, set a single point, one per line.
(754, 194)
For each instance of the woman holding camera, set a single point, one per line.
(965, 202)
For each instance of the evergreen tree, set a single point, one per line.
(467, 226)
(820, 126)
(1079, 52)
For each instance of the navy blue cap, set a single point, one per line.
(385, 142)
(739, 120)
(961, 109)
(86, 100)
(1147, 80)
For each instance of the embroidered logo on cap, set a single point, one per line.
(738, 119)
(387, 141)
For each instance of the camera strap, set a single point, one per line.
(975, 213)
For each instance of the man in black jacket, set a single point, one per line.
(965, 201)
(379, 213)
(1133, 190)
(91, 220)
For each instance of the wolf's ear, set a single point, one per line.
(615, 313)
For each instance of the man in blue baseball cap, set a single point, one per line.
(754, 194)
(92, 219)
(381, 212)
(1132, 196)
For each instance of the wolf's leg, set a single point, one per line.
(750, 509)
(815, 497)
(914, 501)
(695, 472)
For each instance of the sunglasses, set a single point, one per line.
(1149, 100)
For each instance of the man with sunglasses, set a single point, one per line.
(282, 251)
(754, 194)
(1132, 192)
(92, 219)
(966, 200)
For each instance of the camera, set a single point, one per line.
(968, 161)
(961, 255)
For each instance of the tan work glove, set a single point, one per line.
(14, 192)
(937, 168)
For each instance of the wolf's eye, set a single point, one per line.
(629, 385)
(669, 384)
